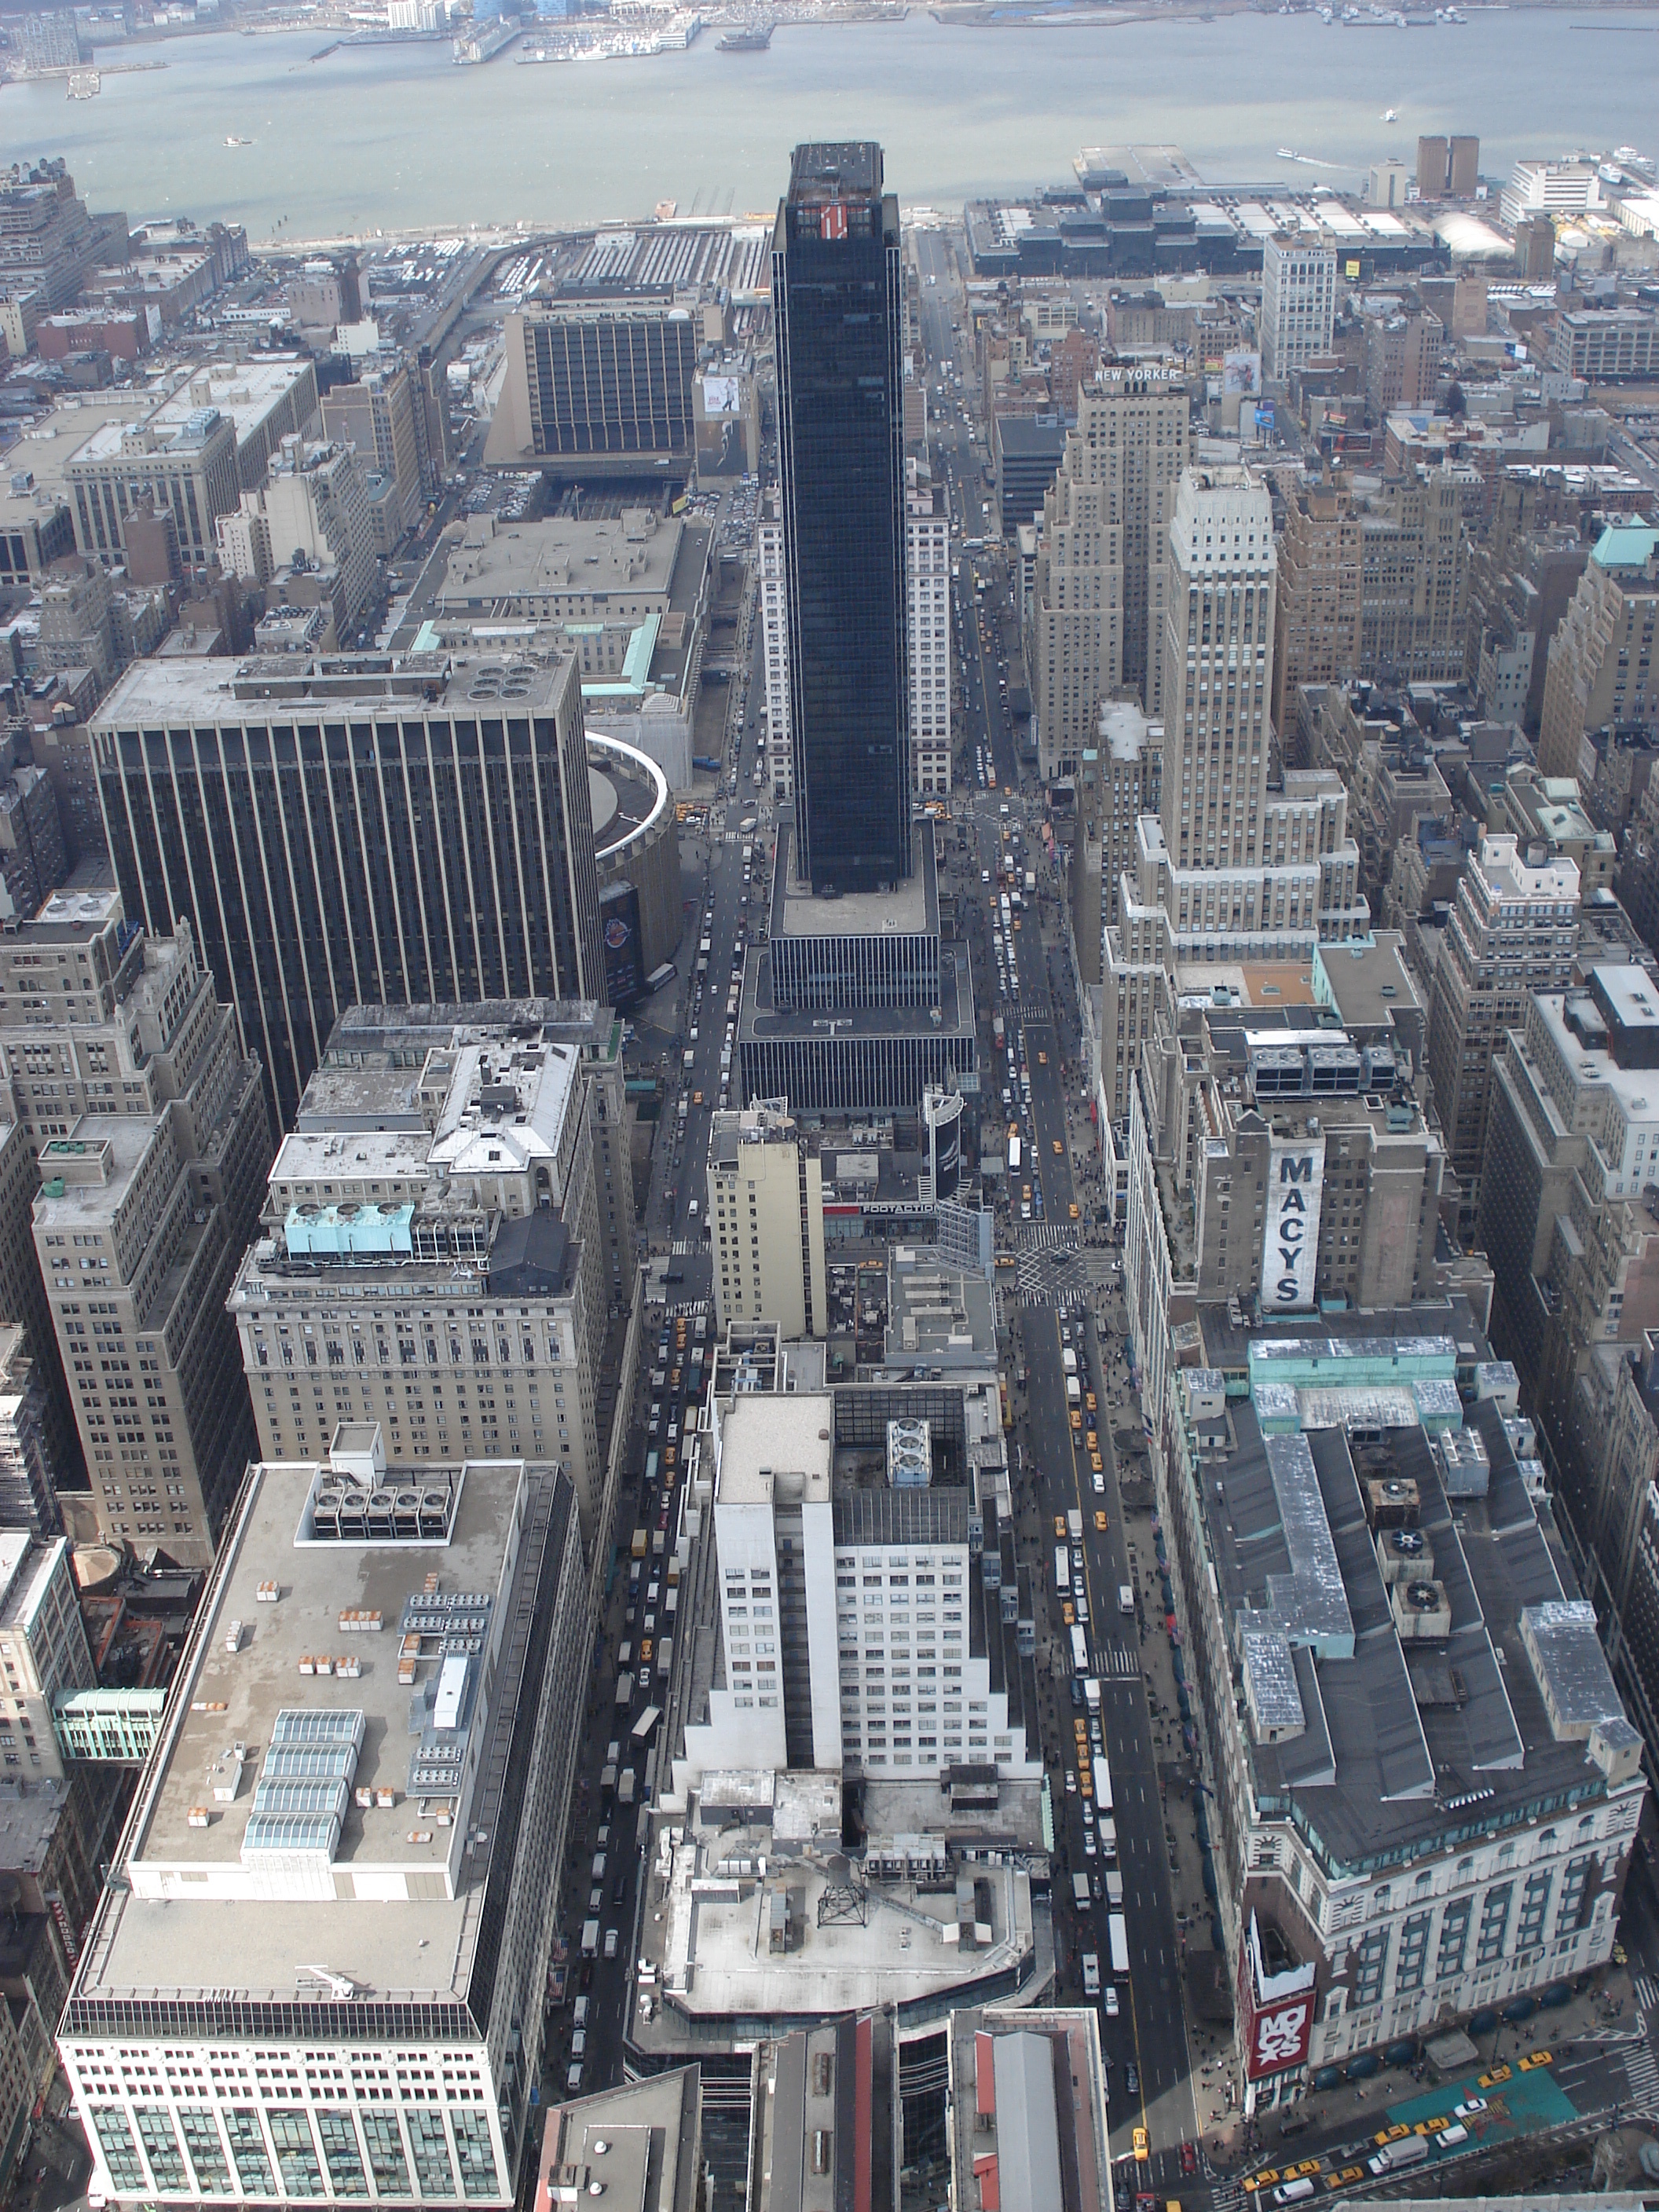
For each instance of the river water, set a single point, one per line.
(398, 137)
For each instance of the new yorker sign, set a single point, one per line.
(1295, 1181)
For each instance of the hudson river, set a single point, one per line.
(398, 137)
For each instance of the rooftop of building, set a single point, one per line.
(1370, 984)
(773, 1446)
(1391, 1713)
(28, 1564)
(910, 907)
(627, 794)
(491, 562)
(638, 2143)
(821, 168)
(1265, 983)
(245, 392)
(1124, 731)
(1625, 545)
(261, 690)
(1607, 1033)
(936, 1312)
(1515, 870)
(86, 1176)
(1029, 2120)
(312, 1816)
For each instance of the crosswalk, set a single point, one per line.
(682, 1246)
(1116, 1662)
(1642, 2069)
(1647, 1992)
(1227, 2196)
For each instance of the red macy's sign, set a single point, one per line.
(832, 220)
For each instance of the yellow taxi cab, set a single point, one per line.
(645, 1652)
(1059, 1526)
(1534, 2059)
(1306, 2166)
(1391, 2135)
(1100, 1521)
(1043, 1059)
(1096, 1465)
(1077, 1419)
(1344, 2175)
(696, 1097)
(1068, 1614)
(1430, 2127)
(1089, 1400)
(1072, 1211)
(1060, 1149)
(1143, 2146)
(1265, 2179)
(1491, 2081)
(1080, 1728)
(1091, 1440)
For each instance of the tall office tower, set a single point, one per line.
(45, 1458)
(348, 831)
(1602, 668)
(29, 1485)
(927, 619)
(1317, 627)
(1103, 569)
(1218, 645)
(596, 392)
(1513, 930)
(1298, 303)
(141, 1221)
(766, 1220)
(835, 295)
(325, 1945)
(378, 415)
(459, 1176)
(1432, 161)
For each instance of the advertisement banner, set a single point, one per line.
(1295, 1178)
(619, 935)
(1241, 373)
(1276, 2024)
(721, 395)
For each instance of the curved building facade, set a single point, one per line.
(636, 854)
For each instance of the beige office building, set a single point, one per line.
(141, 1219)
(1601, 665)
(766, 1218)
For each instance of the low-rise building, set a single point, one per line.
(326, 1948)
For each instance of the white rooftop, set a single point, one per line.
(764, 1436)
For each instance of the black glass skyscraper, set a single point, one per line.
(835, 300)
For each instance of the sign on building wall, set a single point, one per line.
(1296, 1177)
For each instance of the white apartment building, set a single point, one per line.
(774, 634)
(321, 1969)
(1298, 302)
(43, 1650)
(766, 1220)
(446, 1231)
(927, 585)
(927, 595)
(1546, 188)
(854, 1626)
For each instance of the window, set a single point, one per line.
(120, 2153)
(1370, 1964)
(248, 2147)
(434, 2175)
(1453, 1936)
(341, 2155)
(1494, 1925)
(477, 2153)
(1534, 1902)
(387, 2161)
(1569, 1916)
(161, 2147)
(206, 2153)
(1413, 1953)
(296, 2154)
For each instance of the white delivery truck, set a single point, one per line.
(1080, 1896)
(1117, 1936)
(1090, 1974)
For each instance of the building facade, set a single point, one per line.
(44, 1653)
(1298, 303)
(836, 299)
(209, 2051)
(1602, 669)
(341, 833)
(928, 615)
(766, 1221)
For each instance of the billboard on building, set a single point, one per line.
(619, 936)
(1295, 1178)
(721, 395)
(1240, 373)
(1276, 1998)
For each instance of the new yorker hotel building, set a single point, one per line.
(359, 830)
